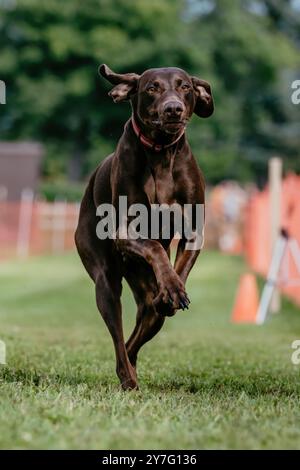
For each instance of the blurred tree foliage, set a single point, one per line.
(249, 51)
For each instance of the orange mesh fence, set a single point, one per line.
(235, 223)
(36, 228)
(9, 219)
(258, 231)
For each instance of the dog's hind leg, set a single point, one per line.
(148, 324)
(148, 321)
(103, 266)
(108, 294)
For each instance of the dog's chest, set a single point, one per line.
(159, 185)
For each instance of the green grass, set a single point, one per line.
(204, 382)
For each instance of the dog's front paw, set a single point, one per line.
(172, 294)
(165, 310)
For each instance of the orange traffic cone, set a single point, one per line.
(246, 301)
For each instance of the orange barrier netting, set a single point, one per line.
(258, 231)
(51, 228)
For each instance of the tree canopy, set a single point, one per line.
(248, 50)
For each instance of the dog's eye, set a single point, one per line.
(151, 89)
(185, 87)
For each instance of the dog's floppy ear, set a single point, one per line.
(126, 84)
(204, 101)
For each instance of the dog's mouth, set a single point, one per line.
(173, 123)
(170, 126)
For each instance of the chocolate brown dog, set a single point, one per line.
(152, 164)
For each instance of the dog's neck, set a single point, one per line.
(154, 139)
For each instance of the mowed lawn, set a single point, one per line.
(204, 382)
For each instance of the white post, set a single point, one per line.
(3, 197)
(25, 216)
(275, 177)
(272, 280)
(3, 193)
(58, 226)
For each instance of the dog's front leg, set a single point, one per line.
(185, 260)
(171, 290)
(190, 244)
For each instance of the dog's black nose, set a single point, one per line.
(173, 109)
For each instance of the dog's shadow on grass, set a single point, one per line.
(41, 379)
(253, 385)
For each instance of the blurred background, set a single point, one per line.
(56, 126)
(249, 51)
(58, 122)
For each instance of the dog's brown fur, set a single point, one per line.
(162, 100)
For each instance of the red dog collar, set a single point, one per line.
(149, 143)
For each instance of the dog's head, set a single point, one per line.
(163, 98)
